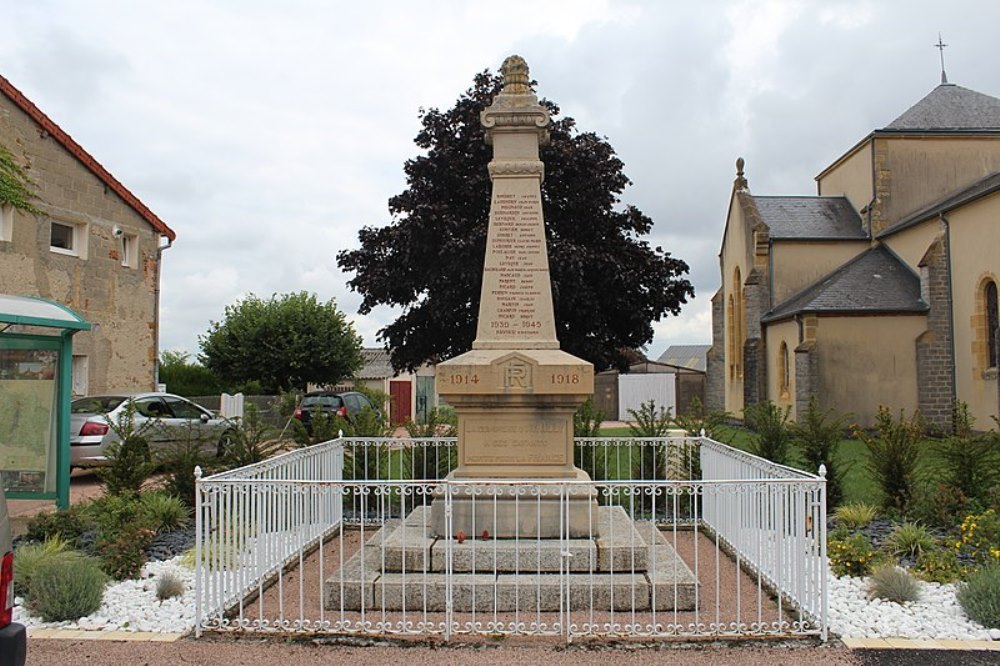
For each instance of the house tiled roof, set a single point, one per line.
(980, 188)
(686, 356)
(951, 107)
(76, 150)
(377, 364)
(808, 218)
(875, 281)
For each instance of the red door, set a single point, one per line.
(400, 397)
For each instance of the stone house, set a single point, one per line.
(879, 290)
(94, 247)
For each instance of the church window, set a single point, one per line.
(992, 323)
(731, 331)
(784, 371)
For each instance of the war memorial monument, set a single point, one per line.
(515, 393)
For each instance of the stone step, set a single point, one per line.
(504, 576)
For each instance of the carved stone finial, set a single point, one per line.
(515, 76)
(741, 181)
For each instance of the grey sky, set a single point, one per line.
(267, 133)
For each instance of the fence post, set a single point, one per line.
(824, 566)
(197, 551)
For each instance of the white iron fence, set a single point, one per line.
(681, 537)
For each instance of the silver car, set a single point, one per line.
(163, 418)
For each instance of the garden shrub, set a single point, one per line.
(698, 419)
(587, 420)
(980, 596)
(772, 436)
(67, 524)
(67, 588)
(851, 555)
(855, 515)
(893, 583)
(169, 585)
(27, 557)
(893, 457)
(969, 462)
(247, 441)
(939, 566)
(123, 554)
(910, 539)
(130, 462)
(980, 537)
(431, 462)
(818, 434)
(179, 462)
(164, 512)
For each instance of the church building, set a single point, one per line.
(879, 290)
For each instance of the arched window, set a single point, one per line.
(738, 327)
(992, 322)
(731, 331)
(784, 372)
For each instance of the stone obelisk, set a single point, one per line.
(515, 392)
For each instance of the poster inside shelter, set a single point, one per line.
(27, 418)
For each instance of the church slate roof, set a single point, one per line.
(875, 281)
(810, 218)
(686, 356)
(951, 107)
(980, 188)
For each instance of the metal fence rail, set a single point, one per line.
(366, 536)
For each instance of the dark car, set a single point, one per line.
(345, 404)
(13, 636)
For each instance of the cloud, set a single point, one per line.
(267, 136)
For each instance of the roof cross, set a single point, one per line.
(940, 46)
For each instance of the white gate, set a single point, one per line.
(633, 390)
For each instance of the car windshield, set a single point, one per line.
(322, 400)
(101, 404)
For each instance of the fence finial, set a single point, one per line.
(197, 471)
(822, 471)
(340, 434)
(702, 432)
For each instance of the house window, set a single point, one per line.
(992, 322)
(68, 238)
(130, 250)
(80, 374)
(6, 222)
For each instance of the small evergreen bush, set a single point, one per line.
(773, 436)
(893, 583)
(130, 463)
(431, 462)
(818, 434)
(248, 441)
(893, 458)
(67, 589)
(855, 515)
(969, 462)
(698, 419)
(980, 596)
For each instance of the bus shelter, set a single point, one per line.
(36, 362)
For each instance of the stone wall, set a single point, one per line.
(756, 304)
(715, 374)
(935, 363)
(119, 301)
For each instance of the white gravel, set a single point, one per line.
(133, 606)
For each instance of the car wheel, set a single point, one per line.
(225, 442)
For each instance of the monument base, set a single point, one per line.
(519, 511)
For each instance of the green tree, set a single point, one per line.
(608, 284)
(16, 189)
(185, 377)
(283, 342)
